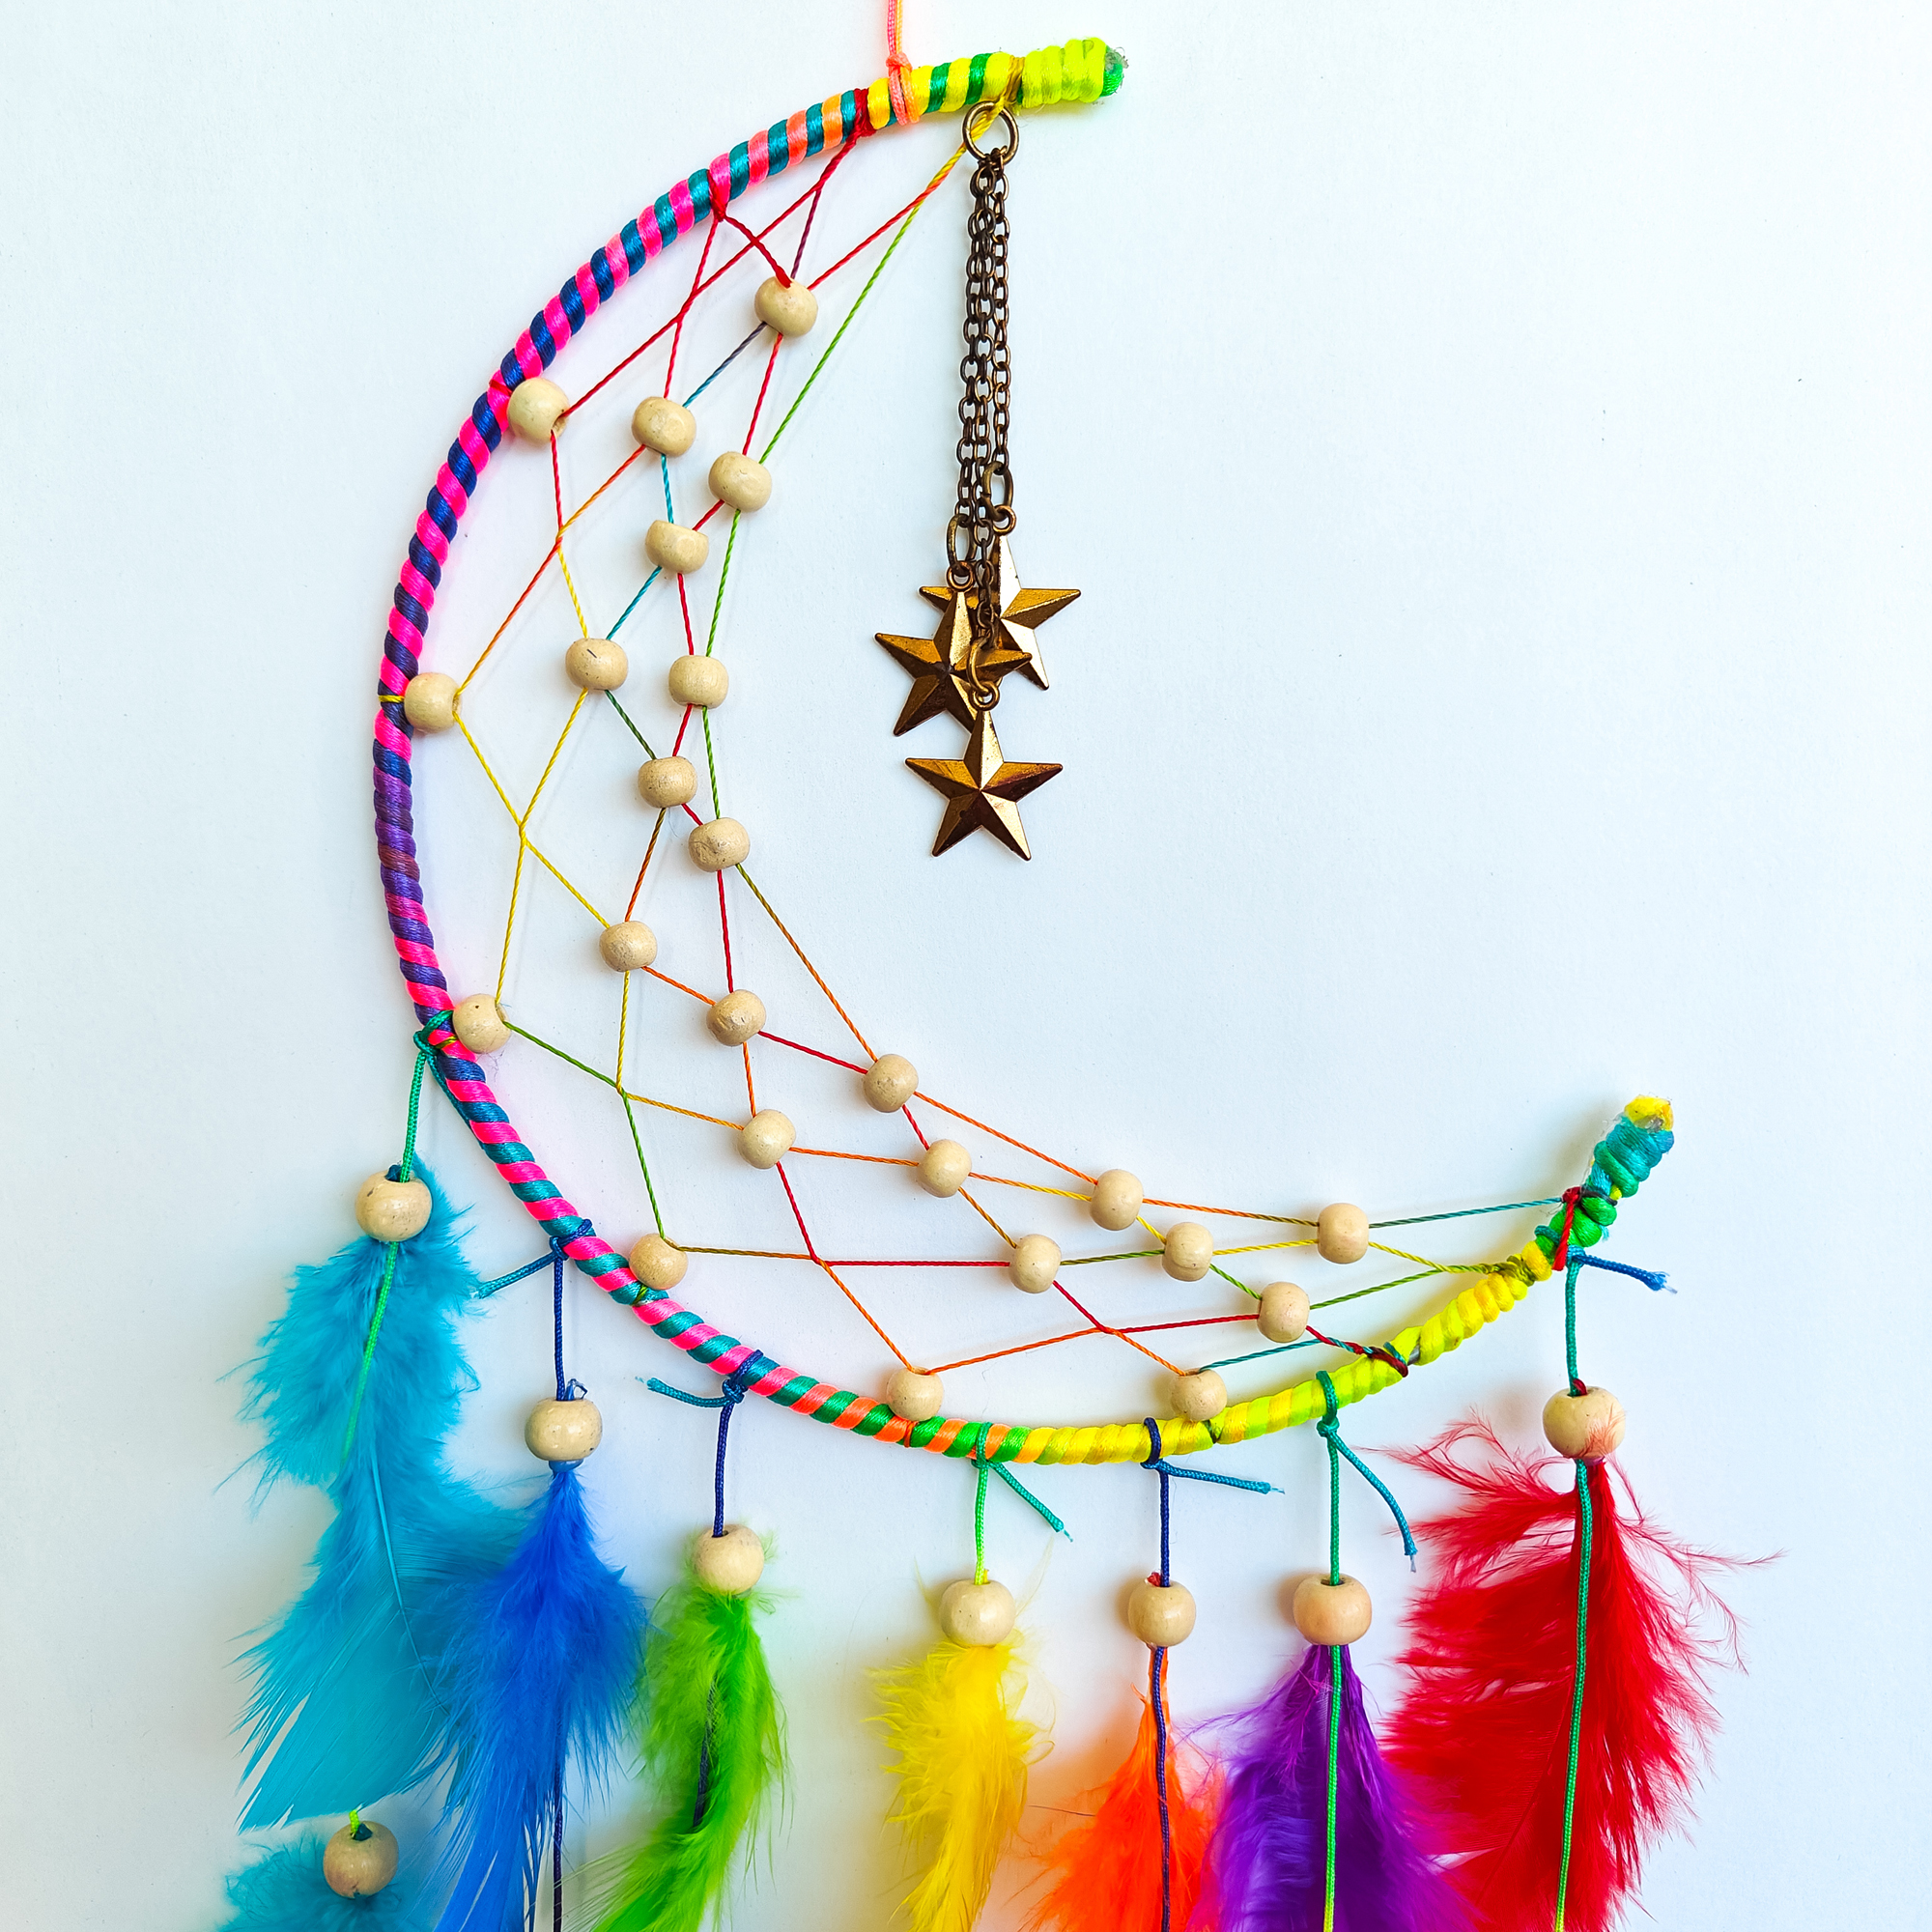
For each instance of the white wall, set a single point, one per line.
(1492, 444)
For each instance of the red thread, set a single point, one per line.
(1560, 1259)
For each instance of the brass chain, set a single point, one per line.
(983, 509)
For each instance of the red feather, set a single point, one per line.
(1107, 1870)
(1484, 1730)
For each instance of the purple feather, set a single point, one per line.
(1267, 1865)
(541, 1668)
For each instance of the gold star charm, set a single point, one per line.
(939, 666)
(1021, 613)
(981, 790)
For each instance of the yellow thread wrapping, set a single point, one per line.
(919, 92)
(956, 79)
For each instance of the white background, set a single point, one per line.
(1492, 444)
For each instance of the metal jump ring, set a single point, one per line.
(991, 113)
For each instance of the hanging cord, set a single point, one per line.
(1585, 1532)
(897, 64)
(1329, 1429)
(985, 1466)
(737, 1385)
(1651, 1279)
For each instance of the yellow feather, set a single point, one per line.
(964, 1754)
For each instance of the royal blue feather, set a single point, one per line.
(1268, 1861)
(539, 1670)
(284, 1891)
(343, 1709)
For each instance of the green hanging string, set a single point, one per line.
(403, 1172)
(979, 1510)
(1331, 1436)
(1585, 1523)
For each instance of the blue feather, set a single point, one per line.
(540, 1668)
(343, 1709)
(284, 1891)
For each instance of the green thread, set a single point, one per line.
(1334, 1779)
(979, 1508)
(724, 572)
(711, 761)
(1586, 1518)
(645, 1166)
(626, 716)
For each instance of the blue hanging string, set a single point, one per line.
(1329, 1429)
(738, 1384)
(1654, 1281)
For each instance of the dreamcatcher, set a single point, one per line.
(1555, 1708)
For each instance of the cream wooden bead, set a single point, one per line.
(1035, 1264)
(1160, 1615)
(736, 1017)
(663, 425)
(393, 1210)
(1586, 1428)
(1117, 1199)
(978, 1614)
(596, 664)
(914, 1397)
(697, 680)
(765, 1139)
(666, 781)
(945, 1168)
(674, 548)
(891, 1081)
(1189, 1252)
(1201, 1396)
(729, 1564)
(535, 404)
(358, 1867)
(1342, 1233)
(429, 700)
(629, 946)
(563, 1432)
(790, 307)
(656, 1264)
(1283, 1315)
(720, 845)
(478, 1023)
(1331, 1613)
(741, 481)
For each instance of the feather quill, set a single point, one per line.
(1268, 1861)
(1106, 1872)
(963, 1758)
(1491, 1648)
(342, 1710)
(538, 1670)
(713, 1739)
(284, 1891)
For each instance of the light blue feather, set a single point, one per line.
(540, 1669)
(284, 1891)
(343, 1709)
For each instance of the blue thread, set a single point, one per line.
(1651, 1279)
(1329, 1429)
(504, 1281)
(1156, 1684)
(1020, 1489)
(664, 463)
(1234, 1361)
(556, 1302)
(736, 1385)
(1157, 1463)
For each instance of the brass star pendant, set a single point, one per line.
(1021, 613)
(981, 790)
(939, 663)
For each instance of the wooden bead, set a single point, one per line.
(1283, 1315)
(666, 781)
(891, 1081)
(741, 481)
(765, 1139)
(1201, 1396)
(1117, 1199)
(790, 307)
(945, 1168)
(1342, 1233)
(697, 680)
(629, 946)
(978, 1614)
(393, 1210)
(478, 1023)
(1189, 1252)
(596, 664)
(356, 1867)
(535, 404)
(1331, 1613)
(1035, 1264)
(1585, 1428)
(429, 700)
(563, 1432)
(736, 1017)
(1160, 1615)
(914, 1397)
(663, 425)
(674, 548)
(721, 845)
(656, 1264)
(729, 1564)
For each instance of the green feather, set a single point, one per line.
(714, 1749)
